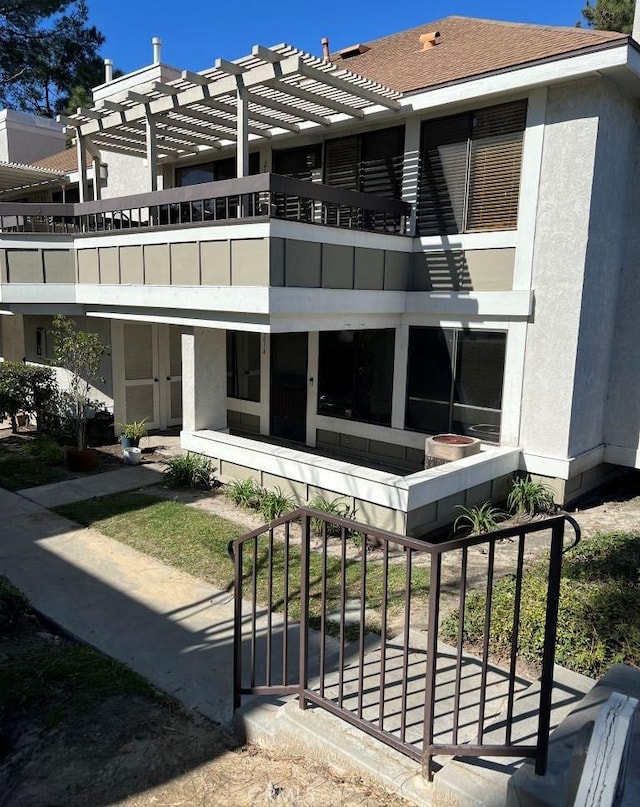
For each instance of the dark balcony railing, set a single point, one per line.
(260, 197)
(343, 628)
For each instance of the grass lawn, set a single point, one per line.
(196, 542)
(57, 676)
(27, 461)
(599, 618)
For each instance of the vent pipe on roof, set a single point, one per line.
(636, 22)
(429, 40)
(157, 43)
(325, 48)
(108, 71)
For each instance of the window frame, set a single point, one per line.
(455, 340)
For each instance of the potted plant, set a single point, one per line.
(132, 433)
(81, 354)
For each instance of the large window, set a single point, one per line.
(243, 365)
(214, 171)
(356, 375)
(454, 381)
(470, 171)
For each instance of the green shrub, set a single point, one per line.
(47, 450)
(244, 492)
(528, 498)
(30, 389)
(190, 471)
(332, 507)
(480, 518)
(274, 503)
(599, 616)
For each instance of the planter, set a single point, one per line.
(132, 455)
(451, 447)
(129, 442)
(81, 459)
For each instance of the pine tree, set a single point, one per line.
(610, 15)
(47, 50)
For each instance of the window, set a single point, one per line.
(470, 171)
(454, 381)
(356, 375)
(243, 365)
(214, 171)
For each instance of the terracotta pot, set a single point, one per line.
(81, 459)
(451, 447)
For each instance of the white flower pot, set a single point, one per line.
(132, 455)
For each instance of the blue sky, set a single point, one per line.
(195, 32)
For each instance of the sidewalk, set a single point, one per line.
(174, 630)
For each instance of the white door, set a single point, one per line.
(152, 374)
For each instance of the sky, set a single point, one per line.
(196, 32)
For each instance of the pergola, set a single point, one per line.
(15, 177)
(273, 89)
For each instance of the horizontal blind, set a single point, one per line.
(443, 175)
(495, 163)
(381, 164)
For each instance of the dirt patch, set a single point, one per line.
(138, 749)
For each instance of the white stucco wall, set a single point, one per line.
(126, 174)
(578, 256)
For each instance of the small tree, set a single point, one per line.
(81, 353)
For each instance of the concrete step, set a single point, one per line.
(479, 782)
(568, 747)
(484, 781)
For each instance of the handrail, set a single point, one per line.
(276, 567)
(258, 183)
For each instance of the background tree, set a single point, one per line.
(610, 15)
(47, 53)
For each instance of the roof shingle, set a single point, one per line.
(468, 47)
(62, 161)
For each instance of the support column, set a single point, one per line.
(242, 143)
(401, 355)
(204, 379)
(81, 153)
(411, 168)
(97, 191)
(152, 152)
(265, 384)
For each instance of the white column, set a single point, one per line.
(204, 379)
(81, 153)
(152, 152)
(242, 143)
(635, 33)
(410, 169)
(97, 191)
(398, 399)
(265, 384)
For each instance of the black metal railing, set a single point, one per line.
(349, 617)
(263, 196)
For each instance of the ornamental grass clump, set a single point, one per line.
(190, 471)
(480, 519)
(529, 498)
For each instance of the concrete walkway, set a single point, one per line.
(174, 630)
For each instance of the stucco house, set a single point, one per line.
(312, 263)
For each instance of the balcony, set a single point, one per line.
(250, 199)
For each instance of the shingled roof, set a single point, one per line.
(467, 47)
(62, 161)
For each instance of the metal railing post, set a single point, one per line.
(432, 664)
(237, 625)
(549, 649)
(304, 609)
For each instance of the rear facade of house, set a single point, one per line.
(311, 264)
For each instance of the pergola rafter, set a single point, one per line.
(279, 88)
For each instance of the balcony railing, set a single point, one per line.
(260, 197)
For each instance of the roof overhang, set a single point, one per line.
(284, 89)
(15, 177)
